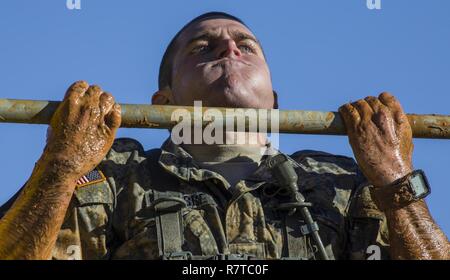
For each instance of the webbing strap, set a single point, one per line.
(294, 247)
(169, 223)
(167, 207)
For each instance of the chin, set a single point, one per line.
(235, 101)
(232, 93)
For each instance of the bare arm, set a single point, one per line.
(413, 234)
(82, 131)
(381, 139)
(29, 229)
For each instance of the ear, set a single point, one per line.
(275, 99)
(163, 97)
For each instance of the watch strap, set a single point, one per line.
(393, 196)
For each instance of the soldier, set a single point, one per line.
(93, 197)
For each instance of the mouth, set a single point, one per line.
(226, 61)
(225, 73)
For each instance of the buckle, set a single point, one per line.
(307, 229)
(183, 255)
(234, 257)
(198, 200)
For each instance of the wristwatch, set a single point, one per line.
(402, 192)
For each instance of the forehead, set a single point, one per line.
(217, 25)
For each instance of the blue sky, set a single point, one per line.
(322, 53)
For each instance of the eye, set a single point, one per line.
(246, 48)
(200, 49)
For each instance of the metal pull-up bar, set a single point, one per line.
(160, 116)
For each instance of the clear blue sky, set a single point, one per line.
(322, 53)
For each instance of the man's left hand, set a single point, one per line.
(380, 136)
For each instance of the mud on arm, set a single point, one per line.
(81, 132)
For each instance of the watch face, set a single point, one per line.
(419, 185)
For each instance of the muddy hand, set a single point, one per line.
(83, 128)
(380, 136)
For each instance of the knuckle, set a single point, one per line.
(342, 108)
(96, 87)
(386, 94)
(106, 98)
(76, 89)
(107, 94)
(94, 90)
(351, 110)
(370, 98)
(361, 103)
(80, 88)
(81, 83)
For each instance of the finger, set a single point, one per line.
(77, 89)
(350, 116)
(374, 103)
(106, 103)
(85, 116)
(68, 109)
(364, 110)
(114, 118)
(382, 117)
(392, 103)
(94, 93)
(91, 102)
(389, 100)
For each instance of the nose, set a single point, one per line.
(228, 48)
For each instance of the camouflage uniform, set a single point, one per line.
(161, 204)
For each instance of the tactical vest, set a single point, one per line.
(143, 211)
(170, 209)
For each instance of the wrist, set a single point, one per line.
(392, 175)
(407, 190)
(56, 170)
(391, 196)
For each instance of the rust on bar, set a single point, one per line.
(160, 116)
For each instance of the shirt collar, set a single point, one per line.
(177, 161)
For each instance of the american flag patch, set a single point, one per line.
(95, 176)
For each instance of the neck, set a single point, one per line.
(238, 146)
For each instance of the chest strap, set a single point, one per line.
(169, 223)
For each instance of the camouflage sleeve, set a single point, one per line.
(123, 158)
(367, 228)
(340, 186)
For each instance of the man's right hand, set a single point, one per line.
(81, 132)
(83, 128)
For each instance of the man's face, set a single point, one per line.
(220, 62)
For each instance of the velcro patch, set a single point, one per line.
(93, 177)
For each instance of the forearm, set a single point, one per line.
(413, 234)
(30, 228)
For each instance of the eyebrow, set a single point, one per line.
(236, 35)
